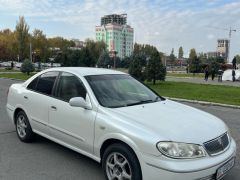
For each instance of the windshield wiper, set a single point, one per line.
(140, 102)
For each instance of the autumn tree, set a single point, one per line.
(8, 45)
(22, 37)
(39, 46)
(172, 57)
(180, 52)
(192, 54)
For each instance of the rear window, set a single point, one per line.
(32, 85)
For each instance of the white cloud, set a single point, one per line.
(210, 36)
(166, 24)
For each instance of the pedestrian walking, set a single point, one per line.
(233, 75)
(234, 62)
(206, 72)
(220, 73)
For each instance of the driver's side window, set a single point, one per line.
(69, 86)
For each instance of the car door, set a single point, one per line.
(37, 98)
(71, 125)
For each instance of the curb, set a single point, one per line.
(184, 77)
(204, 103)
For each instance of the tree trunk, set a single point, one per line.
(154, 81)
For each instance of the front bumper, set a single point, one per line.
(155, 168)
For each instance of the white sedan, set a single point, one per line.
(116, 120)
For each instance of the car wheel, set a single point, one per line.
(23, 128)
(120, 163)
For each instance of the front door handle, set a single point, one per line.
(54, 108)
(25, 97)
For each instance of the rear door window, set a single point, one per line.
(46, 82)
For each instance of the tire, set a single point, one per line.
(119, 162)
(23, 128)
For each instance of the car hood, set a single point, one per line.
(173, 121)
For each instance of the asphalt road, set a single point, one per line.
(46, 160)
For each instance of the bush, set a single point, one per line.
(27, 67)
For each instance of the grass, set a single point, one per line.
(201, 92)
(8, 70)
(199, 75)
(20, 76)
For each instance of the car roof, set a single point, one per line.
(85, 71)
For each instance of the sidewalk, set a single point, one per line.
(198, 80)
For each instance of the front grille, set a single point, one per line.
(217, 145)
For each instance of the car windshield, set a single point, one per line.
(114, 90)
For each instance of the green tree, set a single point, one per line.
(214, 66)
(125, 62)
(238, 59)
(136, 69)
(104, 60)
(203, 58)
(27, 67)
(195, 66)
(155, 69)
(180, 52)
(220, 60)
(22, 37)
(95, 48)
(87, 58)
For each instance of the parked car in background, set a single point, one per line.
(116, 120)
(18, 65)
(6, 64)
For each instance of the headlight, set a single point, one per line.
(181, 150)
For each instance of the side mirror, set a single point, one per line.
(79, 102)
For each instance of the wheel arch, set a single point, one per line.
(18, 109)
(107, 142)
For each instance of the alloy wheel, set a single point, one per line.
(118, 167)
(21, 126)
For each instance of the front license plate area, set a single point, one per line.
(221, 172)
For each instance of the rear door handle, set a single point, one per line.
(25, 97)
(54, 108)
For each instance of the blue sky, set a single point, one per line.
(166, 24)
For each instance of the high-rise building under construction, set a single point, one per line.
(223, 48)
(120, 19)
(117, 35)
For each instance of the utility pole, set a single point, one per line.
(230, 35)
